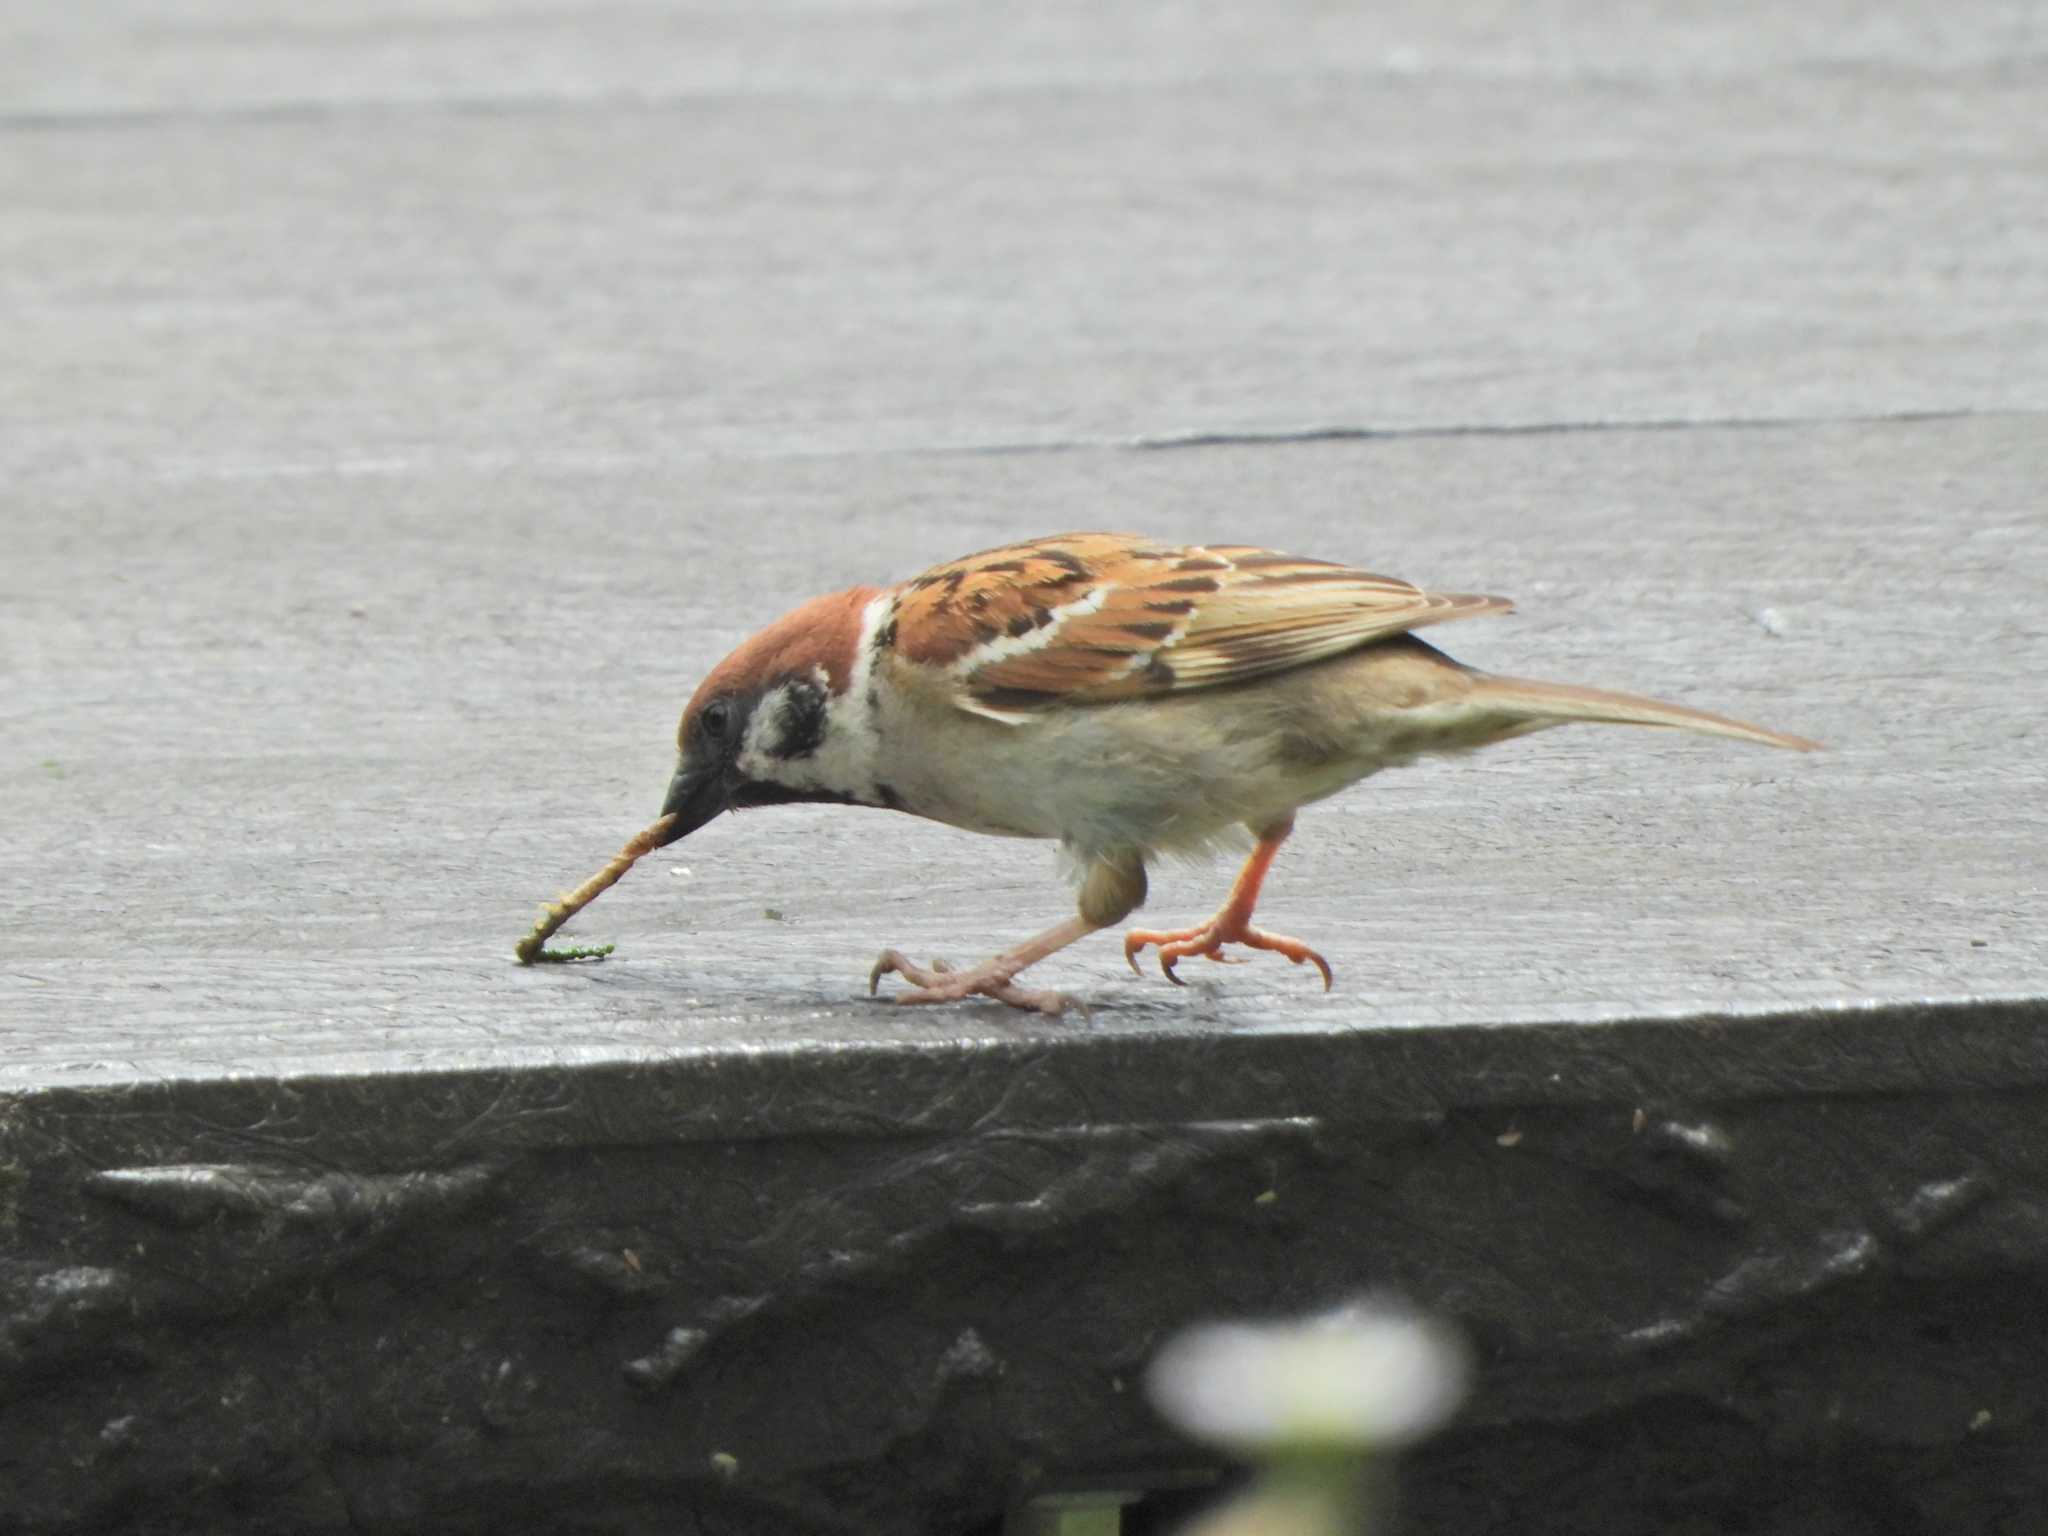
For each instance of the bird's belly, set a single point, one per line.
(1160, 774)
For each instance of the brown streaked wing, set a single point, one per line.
(1091, 617)
(1013, 592)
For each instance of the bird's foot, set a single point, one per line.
(940, 983)
(1208, 941)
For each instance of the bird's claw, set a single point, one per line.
(1208, 941)
(939, 982)
(888, 960)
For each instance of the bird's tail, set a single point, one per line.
(1544, 704)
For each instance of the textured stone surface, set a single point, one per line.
(1774, 1272)
(402, 410)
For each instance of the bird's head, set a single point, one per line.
(768, 726)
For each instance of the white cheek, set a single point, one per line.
(842, 761)
(845, 759)
(753, 757)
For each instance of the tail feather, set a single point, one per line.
(1541, 704)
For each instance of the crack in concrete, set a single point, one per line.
(1288, 436)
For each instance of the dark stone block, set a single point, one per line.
(1763, 1275)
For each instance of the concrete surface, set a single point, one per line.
(401, 412)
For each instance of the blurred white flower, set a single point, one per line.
(1370, 1376)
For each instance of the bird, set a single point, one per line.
(1124, 697)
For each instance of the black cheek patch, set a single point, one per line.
(802, 724)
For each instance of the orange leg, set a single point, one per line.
(940, 983)
(1233, 924)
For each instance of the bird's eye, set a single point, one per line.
(716, 719)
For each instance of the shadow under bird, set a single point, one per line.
(1123, 697)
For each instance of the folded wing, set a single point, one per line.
(1095, 617)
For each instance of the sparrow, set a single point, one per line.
(1122, 697)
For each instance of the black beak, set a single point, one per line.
(695, 795)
